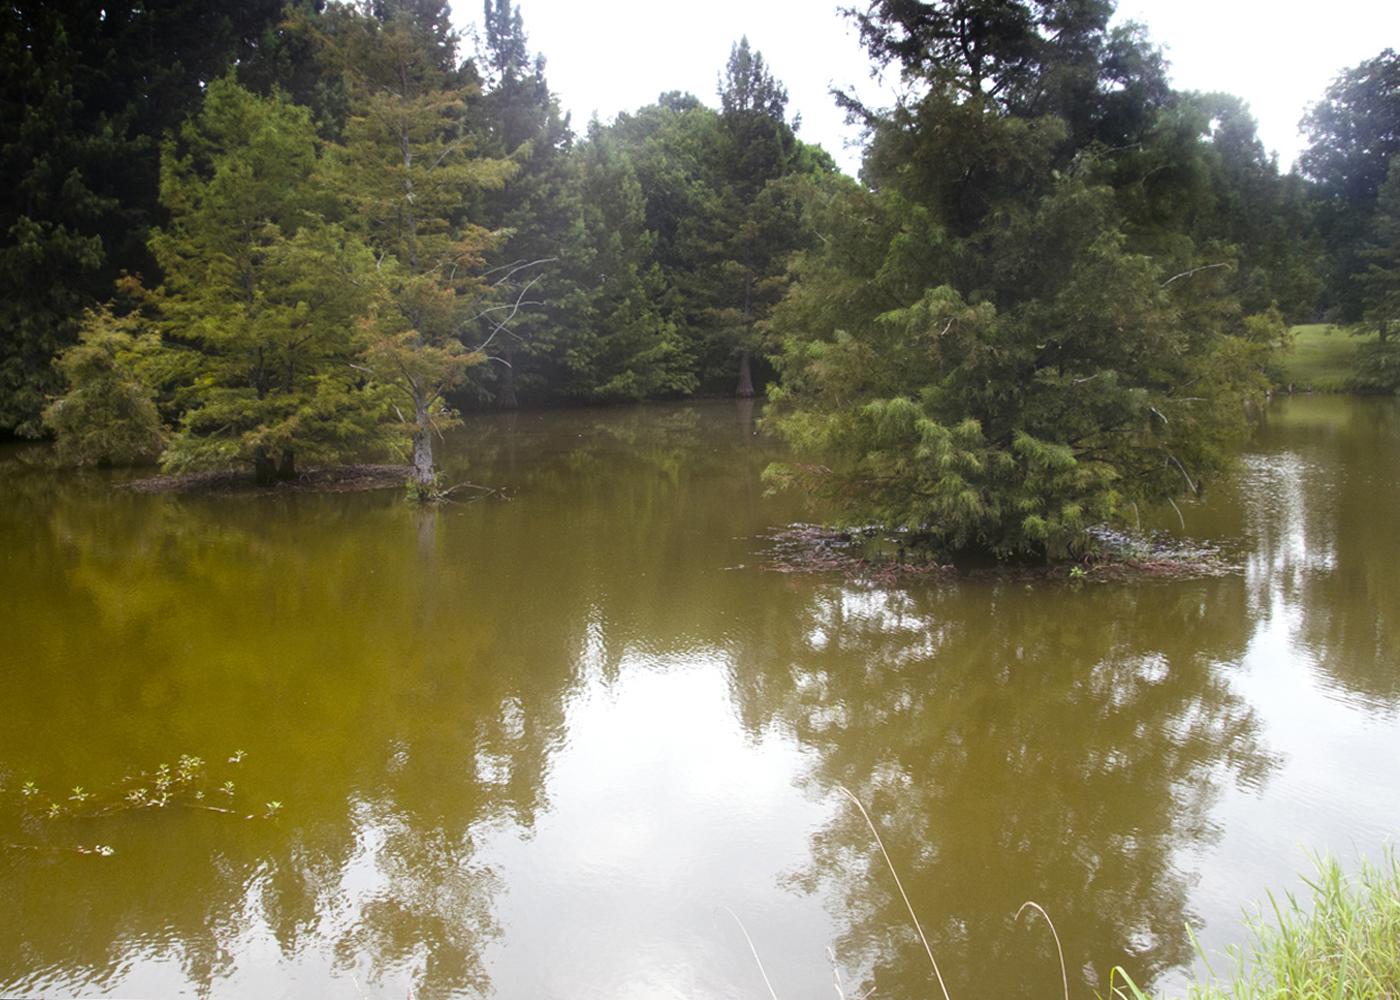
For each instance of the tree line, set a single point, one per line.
(274, 233)
(342, 229)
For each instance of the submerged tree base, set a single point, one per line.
(875, 556)
(855, 555)
(333, 479)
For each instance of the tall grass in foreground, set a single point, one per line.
(1345, 945)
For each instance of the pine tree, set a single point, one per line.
(538, 211)
(621, 344)
(994, 349)
(754, 226)
(86, 90)
(1354, 134)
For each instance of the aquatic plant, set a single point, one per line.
(184, 785)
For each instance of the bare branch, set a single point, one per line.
(519, 301)
(518, 266)
(1191, 483)
(1194, 270)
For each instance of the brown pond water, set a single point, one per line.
(553, 747)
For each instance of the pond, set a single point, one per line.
(582, 744)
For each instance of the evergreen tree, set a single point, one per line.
(720, 202)
(538, 210)
(669, 147)
(1354, 134)
(405, 174)
(981, 350)
(108, 414)
(1378, 364)
(1197, 188)
(255, 287)
(86, 90)
(745, 224)
(621, 344)
(1054, 58)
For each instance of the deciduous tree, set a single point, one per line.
(406, 173)
(262, 291)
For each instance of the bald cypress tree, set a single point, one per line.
(406, 175)
(255, 305)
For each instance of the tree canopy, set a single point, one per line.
(1014, 335)
(1049, 301)
(1354, 134)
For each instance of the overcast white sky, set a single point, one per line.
(608, 56)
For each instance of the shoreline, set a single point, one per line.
(329, 479)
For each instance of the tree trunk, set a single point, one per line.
(507, 399)
(423, 472)
(287, 468)
(1383, 330)
(745, 387)
(264, 471)
(746, 424)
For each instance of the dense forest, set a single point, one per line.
(272, 234)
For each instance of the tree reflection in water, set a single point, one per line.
(393, 726)
(397, 678)
(1319, 494)
(1062, 746)
(409, 685)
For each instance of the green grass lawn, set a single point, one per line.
(1321, 357)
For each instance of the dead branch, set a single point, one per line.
(519, 301)
(1195, 270)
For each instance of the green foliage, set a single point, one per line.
(998, 348)
(751, 224)
(1377, 367)
(1342, 942)
(85, 92)
(1354, 134)
(403, 176)
(538, 213)
(1056, 59)
(262, 291)
(187, 784)
(108, 414)
(1380, 284)
(621, 343)
(1198, 188)
(384, 228)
